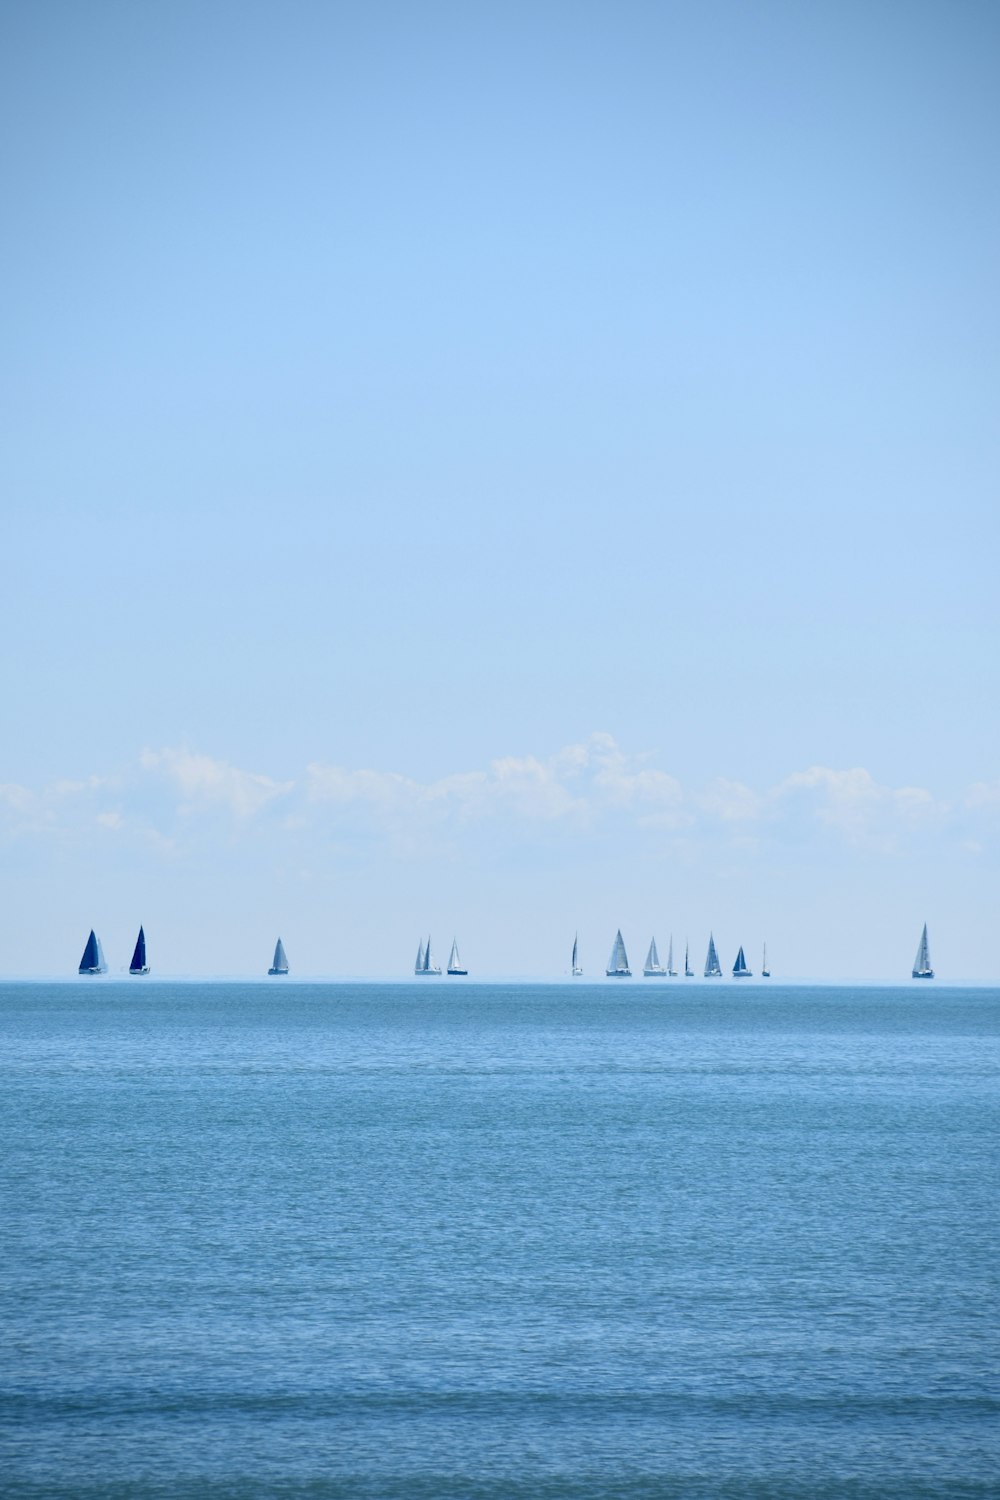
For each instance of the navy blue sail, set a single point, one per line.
(92, 961)
(139, 964)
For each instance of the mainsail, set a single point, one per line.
(455, 965)
(713, 969)
(139, 964)
(575, 964)
(92, 961)
(652, 966)
(425, 963)
(280, 964)
(922, 963)
(764, 970)
(670, 959)
(688, 971)
(740, 970)
(618, 962)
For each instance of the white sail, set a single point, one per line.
(713, 969)
(922, 963)
(618, 962)
(418, 967)
(430, 967)
(652, 965)
(765, 971)
(280, 964)
(455, 965)
(670, 957)
(575, 962)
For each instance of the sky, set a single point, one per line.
(500, 471)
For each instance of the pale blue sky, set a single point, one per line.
(409, 390)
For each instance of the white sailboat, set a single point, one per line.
(455, 965)
(740, 970)
(577, 970)
(280, 962)
(765, 972)
(713, 969)
(688, 971)
(672, 972)
(652, 968)
(425, 961)
(922, 963)
(618, 962)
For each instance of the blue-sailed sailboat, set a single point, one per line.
(740, 970)
(713, 969)
(280, 964)
(139, 964)
(93, 961)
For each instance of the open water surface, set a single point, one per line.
(438, 1240)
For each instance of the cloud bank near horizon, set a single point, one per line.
(175, 797)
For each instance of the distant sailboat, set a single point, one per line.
(670, 959)
(280, 964)
(652, 968)
(765, 972)
(740, 970)
(713, 969)
(577, 970)
(922, 963)
(688, 971)
(139, 964)
(455, 965)
(425, 963)
(618, 962)
(93, 961)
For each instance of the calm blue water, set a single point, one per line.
(467, 1241)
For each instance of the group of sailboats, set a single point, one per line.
(425, 960)
(94, 962)
(618, 965)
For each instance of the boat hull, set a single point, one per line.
(929, 974)
(143, 970)
(458, 971)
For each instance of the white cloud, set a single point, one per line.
(731, 801)
(858, 807)
(200, 779)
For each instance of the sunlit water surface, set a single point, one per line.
(457, 1240)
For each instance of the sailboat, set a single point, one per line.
(713, 969)
(740, 970)
(93, 961)
(280, 964)
(139, 964)
(765, 972)
(670, 959)
(922, 963)
(455, 965)
(688, 971)
(425, 963)
(652, 968)
(618, 962)
(577, 970)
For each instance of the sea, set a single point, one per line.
(455, 1239)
